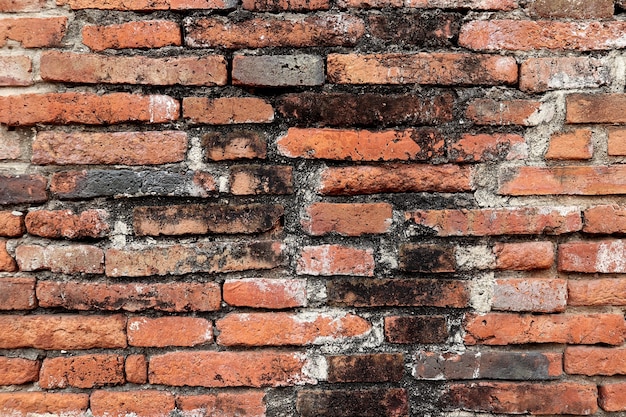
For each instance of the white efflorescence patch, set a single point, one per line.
(611, 257)
(470, 258)
(481, 292)
(315, 367)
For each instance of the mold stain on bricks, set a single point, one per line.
(312, 208)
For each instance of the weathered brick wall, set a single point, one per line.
(340, 208)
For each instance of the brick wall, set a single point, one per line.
(340, 208)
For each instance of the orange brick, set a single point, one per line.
(57, 332)
(17, 293)
(16, 71)
(31, 403)
(395, 179)
(238, 144)
(534, 295)
(85, 371)
(33, 32)
(168, 331)
(422, 68)
(72, 259)
(431, 4)
(362, 145)
(595, 108)
(617, 141)
(538, 75)
(571, 145)
(513, 329)
(524, 398)
(488, 147)
(274, 293)
(148, 403)
(605, 219)
(7, 263)
(564, 180)
(597, 292)
(245, 403)
(141, 34)
(12, 6)
(293, 31)
(605, 257)
(265, 368)
(327, 260)
(285, 5)
(278, 329)
(227, 110)
(527, 35)
(86, 108)
(11, 224)
(10, 146)
(70, 67)
(148, 5)
(261, 179)
(612, 396)
(18, 371)
(524, 256)
(348, 219)
(599, 9)
(56, 224)
(136, 369)
(506, 112)
(586, 360)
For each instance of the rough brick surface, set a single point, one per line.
(246, 403)
(33, 32)
(17, 293)
(142, 34)
(329, 260)
(265, 293)
(225, 110)
(17, 371)
(84, 259)
(392, 402)
(348, 219)
(148, 403)
(86, 371)
(533, 294)
(278, 71)
(29, 403)
(56, 224)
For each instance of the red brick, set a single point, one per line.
(597, 292)
(261, 179)
(7, 263)
(576, 9)
(58, 332)
(171, 297)
(13, 6)
(265, 368)
(238, 144)
(348, 219)
(395, 179)
(85, 371)
(245, 403)
(507, 112)
(136, 369)
(421, 68)
(605, 256)
(488, 147)
(327, 260)
(411, 292)
(524, 256)
(86, 108)
(571, 145)
(488, 365)
(227, 110)
(33, 32)
(564, 180)
(141, 34)
(71, 67)
(612, 396)
(509, 329)
(364, 402)
(416, 329)
(534, 294)
(148, 403)
(84, 259)
(278, 70)
(376, 367)
(208, 257)
(590, 361)
(20, 189)
(263, 32)
(595, 108)
(56, 224)
(18, 371)
(432, 4)
(11, 224)
(10, 145)
(527, 35)
(524, 398)
(617, 141)
(16, 71)
(605, 219)
(285, 5)
(149, 5)
(23, 404)
(169, 331)
(278, 329)
(538, 75)
(115, 148)
(206, 219)
(362, 145)
(273, 293)
(17, 293)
